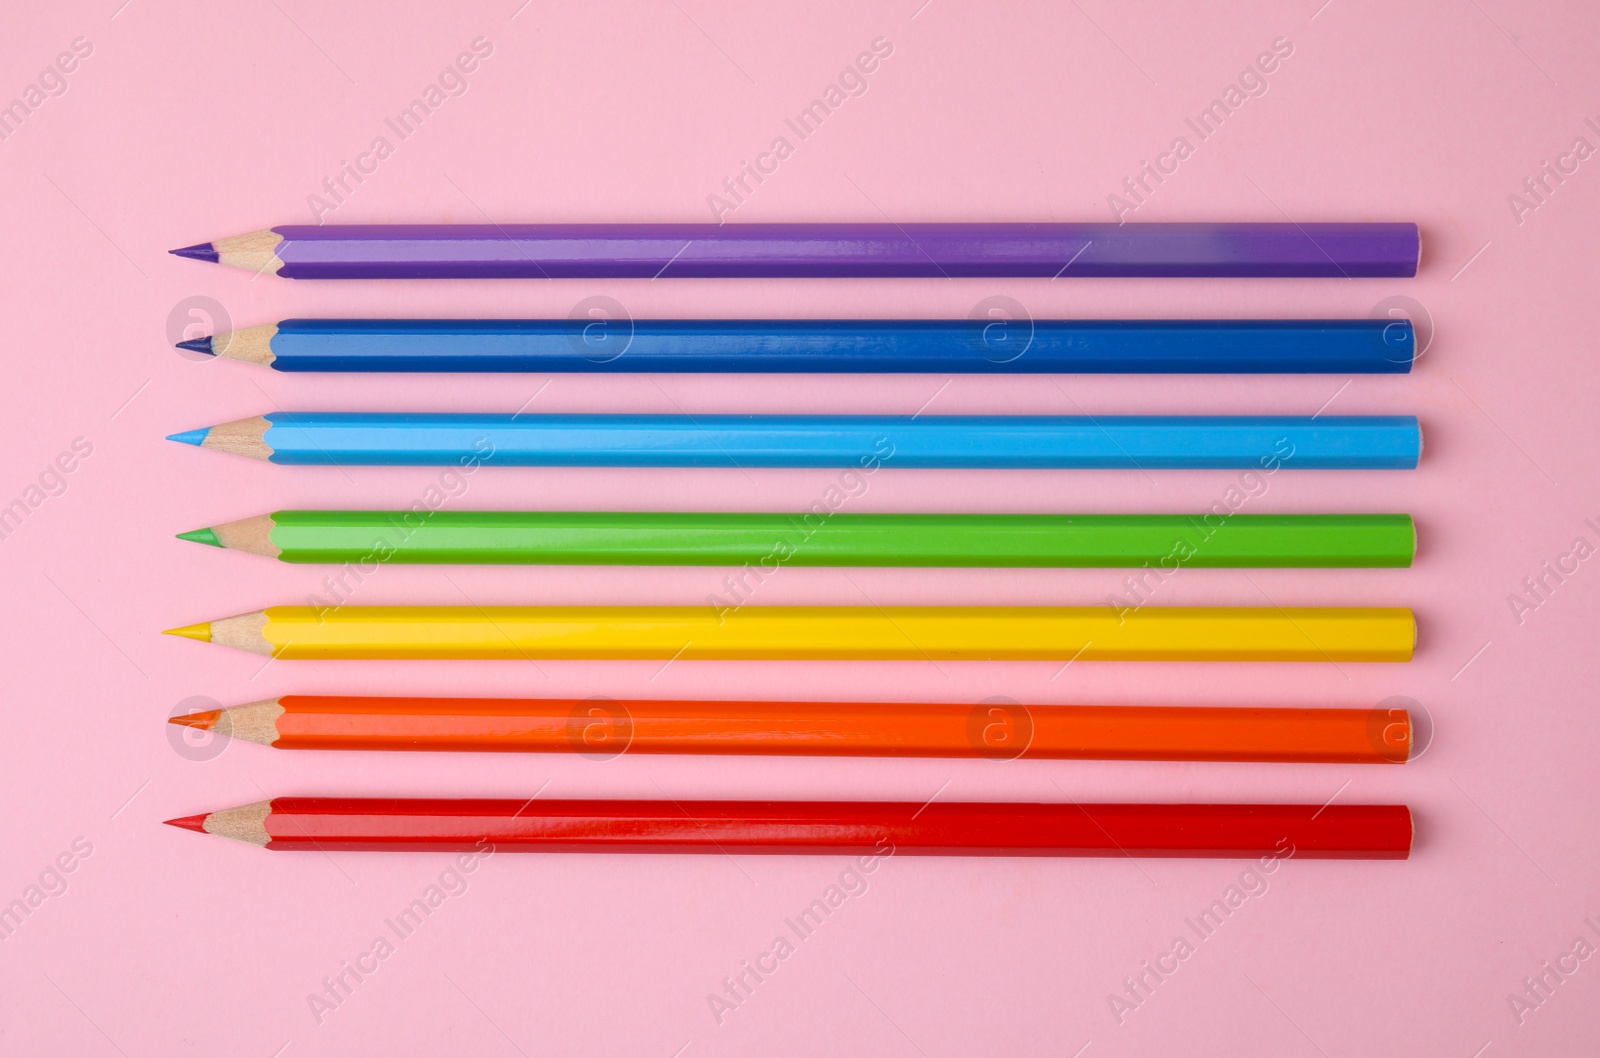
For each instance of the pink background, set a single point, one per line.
(193, 120)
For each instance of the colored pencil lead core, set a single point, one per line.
(194, 823)
(207, 536)
(201, 631)
(201, 721)
(198, 345)
(200, 251)
(190, 437)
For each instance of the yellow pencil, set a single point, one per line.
(939, 633)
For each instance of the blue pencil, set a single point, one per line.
(984, 345)
(854, 441)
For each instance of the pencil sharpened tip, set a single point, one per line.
(190, 437)
(195, 823)
(201, 536)
(200, 251)
(201, 632)
(198, 345)
(201, 720)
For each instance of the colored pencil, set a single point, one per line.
(855, 441)
(915, 633)
(984, 345)
(721, 251)
(994, 729)
(878, 828)
(1216, 539)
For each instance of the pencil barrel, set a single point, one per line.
(986, 345)
(1098, 633)
(938, 251)
(825, 538)
(994, 729)
(858, 443)
(865, 828)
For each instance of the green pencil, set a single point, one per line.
(820, 537)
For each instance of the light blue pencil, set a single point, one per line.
(929, 441)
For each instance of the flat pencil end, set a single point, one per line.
(190, 437)
(202, 721)
(200, 251)
(195, 823)
(207, 536)
(201, 632)
(198, 345)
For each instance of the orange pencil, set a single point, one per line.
(997, 728)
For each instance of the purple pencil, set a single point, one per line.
(647, 251)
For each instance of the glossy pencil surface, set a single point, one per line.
(988, 345)
(721, 251)
(996, 729)
(936, 828)
(953, 633)
(823, 538)
(856, 441)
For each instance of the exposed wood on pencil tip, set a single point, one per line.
(253, 534)
(242, 437)
(254, 251)
(247, 823)
(242, 632)
(253, 722)
(251, 345)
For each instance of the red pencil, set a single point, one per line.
(929, 829)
